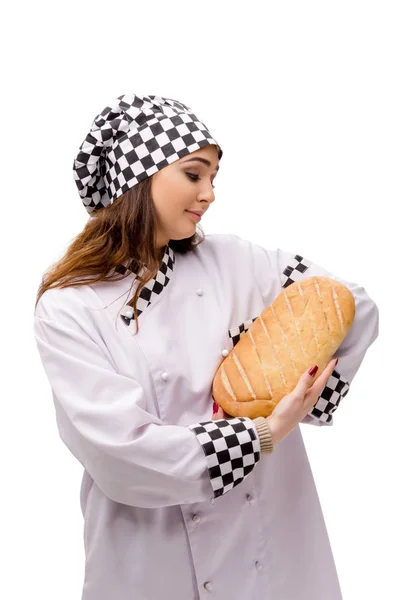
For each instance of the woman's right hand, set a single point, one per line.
(297, 404)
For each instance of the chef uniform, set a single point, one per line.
(176, 505)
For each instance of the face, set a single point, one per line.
(184, 185)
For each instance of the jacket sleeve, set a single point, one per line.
(101, 416)
(277, 269)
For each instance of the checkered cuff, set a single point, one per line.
(232, 449)
(321, 414)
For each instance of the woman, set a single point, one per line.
(131, 325)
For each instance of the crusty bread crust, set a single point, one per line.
(304, 326)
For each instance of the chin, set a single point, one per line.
(183, 234)
(186, 235)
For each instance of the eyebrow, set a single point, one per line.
(203, 160)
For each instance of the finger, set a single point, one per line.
(305, 382)
(217, 412)
(322, 379)
(218, 415)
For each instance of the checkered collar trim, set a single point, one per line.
(153, 288)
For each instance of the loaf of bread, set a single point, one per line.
(304, 326)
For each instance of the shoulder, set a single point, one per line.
(231, 248)
(222, 240)
(70, 306)
(225, 245)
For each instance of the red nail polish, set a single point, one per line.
(336, 361)
(313, 370)
(214, 408)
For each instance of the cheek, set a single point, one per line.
(172, 194)
(179, 197)
(181, 188)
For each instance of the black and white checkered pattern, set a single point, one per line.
(294, 271)
(154, 287)
(232, 449)
(237, 332)
(337, 387)
(131, 140)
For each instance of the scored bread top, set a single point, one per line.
(304, 326)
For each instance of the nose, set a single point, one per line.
(208, 195)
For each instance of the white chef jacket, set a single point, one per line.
(175, 505)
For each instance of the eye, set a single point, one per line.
(196, 177)
(193, 176)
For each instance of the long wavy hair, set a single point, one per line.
(122, 233)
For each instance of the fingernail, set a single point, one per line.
(336, 361)
(313, 370)
(215, 407)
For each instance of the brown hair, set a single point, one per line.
(122, 231)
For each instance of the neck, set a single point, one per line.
(160, 253)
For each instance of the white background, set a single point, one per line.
(302, 97)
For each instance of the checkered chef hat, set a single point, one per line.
(129, 141)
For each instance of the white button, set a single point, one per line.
(196, 519)
(225, 352)
(199, 292)
(250, 498)
(164, 375)
(208, 586)
(258, 565)
(128, 313)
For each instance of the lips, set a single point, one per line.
(196, 216)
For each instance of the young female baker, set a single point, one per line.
(131, 326)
